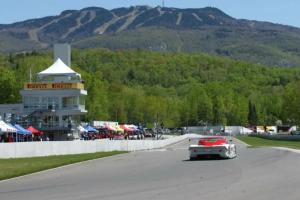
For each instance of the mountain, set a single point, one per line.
(160, 29)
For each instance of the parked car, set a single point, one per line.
(295, 133)
(149, 133)
(135, 136)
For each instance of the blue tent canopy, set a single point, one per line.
(21, 130)
(91, 129)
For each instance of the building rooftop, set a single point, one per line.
(58, 68)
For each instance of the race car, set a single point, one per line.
(210, 146)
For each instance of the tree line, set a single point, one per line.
(137, 86)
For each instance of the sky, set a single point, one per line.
(276, 11)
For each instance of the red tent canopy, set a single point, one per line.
(110, 128)
(127, 129)
(34, 131)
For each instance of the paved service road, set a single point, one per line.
(262, 173)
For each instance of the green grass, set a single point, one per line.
(10, 168)
(260, 142)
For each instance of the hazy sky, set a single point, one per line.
(277, 11)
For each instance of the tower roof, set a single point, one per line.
(58, 68)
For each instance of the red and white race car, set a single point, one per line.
(212, 146)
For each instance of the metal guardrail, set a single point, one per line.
(278, 137)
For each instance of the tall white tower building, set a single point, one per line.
(55, 102)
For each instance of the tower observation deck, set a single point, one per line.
(55, 102)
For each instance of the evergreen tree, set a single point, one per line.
(252, 114)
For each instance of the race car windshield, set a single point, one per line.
(211, 139)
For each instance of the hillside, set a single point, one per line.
(158, 29)
(137, 86)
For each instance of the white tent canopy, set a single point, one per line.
(58, 68)
(6, 128)
(81, 129)
(132, 126)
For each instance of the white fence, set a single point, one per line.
(34, 149)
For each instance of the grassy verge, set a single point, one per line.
(260, 142)
(10, 168)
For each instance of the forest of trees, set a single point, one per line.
(136, 86)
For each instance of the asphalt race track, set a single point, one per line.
(262, 173)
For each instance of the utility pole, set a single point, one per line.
(30, 75)
(163, 3)
(157, 125)
(187, 124)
